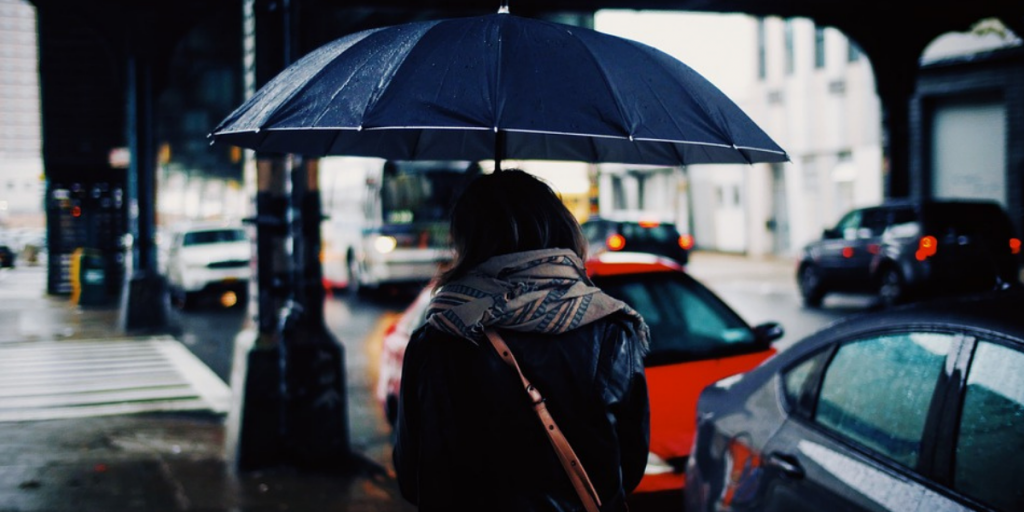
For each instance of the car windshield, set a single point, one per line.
(687, 321)
(213, 236)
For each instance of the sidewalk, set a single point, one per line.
(149, 461)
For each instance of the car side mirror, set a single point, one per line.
(828, 233)
(768, 332)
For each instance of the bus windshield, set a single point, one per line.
(421, 192)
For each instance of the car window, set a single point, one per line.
(847, 226)
(687, 322)
(904, 223)
(796, 381)
(988, 464)
(592, 232)
(661, 233)
(877, 391)
(213, 236)
(873, 222)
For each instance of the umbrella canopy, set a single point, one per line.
(493, 87)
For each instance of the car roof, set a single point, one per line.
(633, 217)
(618, 263)
(995, 312)
(934, 201)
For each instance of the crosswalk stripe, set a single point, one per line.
(72, 379)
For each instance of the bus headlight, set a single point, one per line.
(385, 244)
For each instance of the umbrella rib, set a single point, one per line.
(334, 139)
(378, 92)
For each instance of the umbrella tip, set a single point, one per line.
(503, 8)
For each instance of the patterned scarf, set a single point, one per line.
(544, 291)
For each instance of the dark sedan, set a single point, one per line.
(918, 408)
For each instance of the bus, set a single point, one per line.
(386, 222)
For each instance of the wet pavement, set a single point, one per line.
(164, 451)
(159, 455)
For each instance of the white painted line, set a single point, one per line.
(207, 383)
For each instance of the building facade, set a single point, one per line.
(811, 90)
(21, 185)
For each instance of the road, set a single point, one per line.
(759, 290)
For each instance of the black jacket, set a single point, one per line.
(468, 438)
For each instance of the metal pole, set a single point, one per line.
(292, 408)
(144, 296)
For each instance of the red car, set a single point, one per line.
(696, 339)
(396, 337)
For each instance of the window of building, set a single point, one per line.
(852, 51)
(762, 51)
(618, 193)
(819, 47)
(790, 51)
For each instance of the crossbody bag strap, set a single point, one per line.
(571, 463)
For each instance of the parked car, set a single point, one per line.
(918, 407)
(696, 339)
(209, 259)
(7, 256)
(905, 249)
(637, 235)
(396, 337)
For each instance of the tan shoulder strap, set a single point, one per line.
(573, 466)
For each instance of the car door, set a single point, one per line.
(845, 257)
(860, 442)
(983, 465)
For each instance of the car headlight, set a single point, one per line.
(385, 244)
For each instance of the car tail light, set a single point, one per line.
(926, 247)
(648, 223)
(1015, 245)
(616, 242)
(744, 472)
(391, 328)
(847, 252)
(686, 242)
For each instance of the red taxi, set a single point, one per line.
(696, 339)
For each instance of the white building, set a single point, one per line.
(21, 169)
(806, 86)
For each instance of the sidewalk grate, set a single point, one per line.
(74, 379)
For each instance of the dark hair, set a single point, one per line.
(504, 212)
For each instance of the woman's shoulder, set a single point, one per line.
(620, 327)
(427, 335)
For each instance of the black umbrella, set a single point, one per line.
(492, 87)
